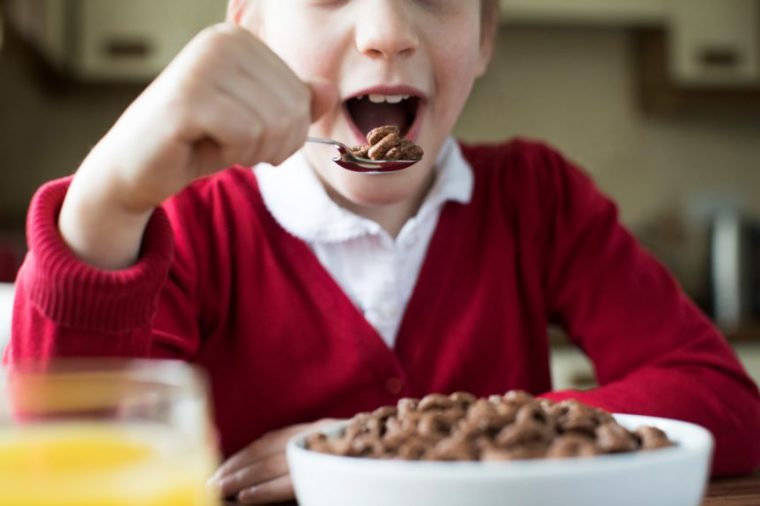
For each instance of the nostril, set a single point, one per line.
(374, 53)
(380, 54)
(392, 39)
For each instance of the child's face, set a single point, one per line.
(429, 50)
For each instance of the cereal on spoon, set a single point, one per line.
(386, 143)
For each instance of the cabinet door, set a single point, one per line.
(607, 12)
(135, 39)
(715, 43)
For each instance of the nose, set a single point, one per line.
(386, 30)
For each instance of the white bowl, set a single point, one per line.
(669, 477)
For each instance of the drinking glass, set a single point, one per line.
(105, 433)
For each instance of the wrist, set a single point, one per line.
(96, 224)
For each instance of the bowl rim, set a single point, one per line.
(699, 442)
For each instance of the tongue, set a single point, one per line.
(367, 115)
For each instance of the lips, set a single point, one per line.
(380, 106)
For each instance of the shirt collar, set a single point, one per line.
(299, 203)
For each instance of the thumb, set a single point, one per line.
(324, 96)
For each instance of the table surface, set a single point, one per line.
(743, 491)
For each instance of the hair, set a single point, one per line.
(489, 9)
(489, 17)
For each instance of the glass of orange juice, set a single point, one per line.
(105, 433)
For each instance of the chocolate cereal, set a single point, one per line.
(386, 143)
(460, 427)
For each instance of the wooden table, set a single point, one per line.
(743, 491)
(734, 491)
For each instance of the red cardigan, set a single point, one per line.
(219, 283)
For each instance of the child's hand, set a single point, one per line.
(226, 99)
(259, 472)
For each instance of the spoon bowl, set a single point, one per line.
(351, 162)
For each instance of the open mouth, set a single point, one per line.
(367, 112)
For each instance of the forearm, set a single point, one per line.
(653, 351)
(64, 306)
(39, 336)
(721, 401)
(95, 225)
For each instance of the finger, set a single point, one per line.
(297, 132)
(284, 115)
(267, 445)
(255, 474)
(278, 490)
(286, 128)
(285, 122)
(234, 129)
(324, 96)
(251, 151)
(259, 63)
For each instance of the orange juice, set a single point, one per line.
(102, 464)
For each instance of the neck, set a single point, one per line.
(391, 217)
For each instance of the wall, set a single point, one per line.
(45, 130)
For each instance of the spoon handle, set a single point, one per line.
(341, 147)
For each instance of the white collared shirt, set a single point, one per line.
(377, 272)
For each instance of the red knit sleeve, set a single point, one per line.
(653, 351)
(65, 307)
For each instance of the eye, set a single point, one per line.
(431, 3)
(328, 4)
(439, 5)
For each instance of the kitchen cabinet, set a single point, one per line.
(715, 43)
(111, 40)
(692, 51)
(709, 42)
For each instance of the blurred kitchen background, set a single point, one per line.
(658, 99)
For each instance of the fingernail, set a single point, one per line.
(248, 494)
(226, 486)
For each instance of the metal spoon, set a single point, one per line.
(349, 161)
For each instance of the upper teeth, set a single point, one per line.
(391, 99)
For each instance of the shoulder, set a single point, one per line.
(523, 166)
(531, 179)
(516, 158)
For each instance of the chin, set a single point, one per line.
(381, 190)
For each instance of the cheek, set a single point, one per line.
(457, 74)
(455, 58)
(301, 41)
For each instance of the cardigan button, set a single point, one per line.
(394, 385)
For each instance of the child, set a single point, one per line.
(308, 291)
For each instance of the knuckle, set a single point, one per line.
(248, 154)
(267, 467)
(255, 131)
(303, 93)
(240, 478)
(303, 113)
(213, 33)
(211, 42)
(280, 126)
